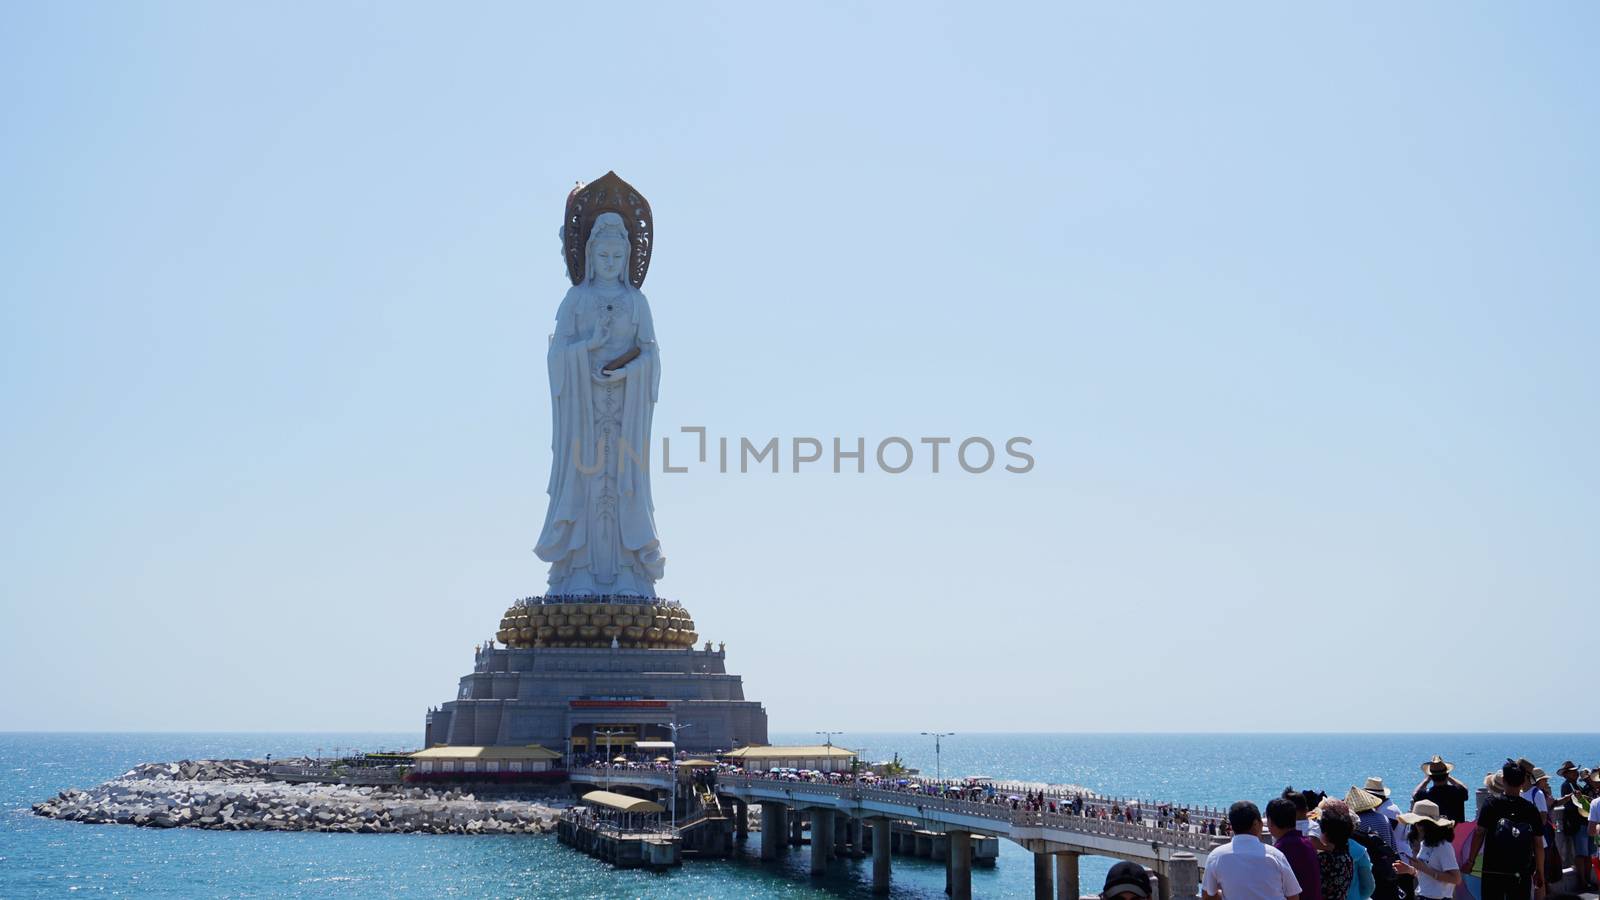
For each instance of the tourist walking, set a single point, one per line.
(1297, 848)
(1447, 793)
(1245, 868)
(1510, 834)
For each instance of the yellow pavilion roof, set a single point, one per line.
(621, 802)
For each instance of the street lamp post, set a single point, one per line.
(608, 735)
(673, 768)
(938, 764)
(828, 742)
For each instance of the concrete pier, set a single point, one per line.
(1043, 884)
(624, 850)
(821, 840)
(1067, 876)
(960, 865)
(774, 830)
(882, 844)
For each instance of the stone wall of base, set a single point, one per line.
(533, 703)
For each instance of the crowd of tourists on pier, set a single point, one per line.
(1362, 846)
(548, 599)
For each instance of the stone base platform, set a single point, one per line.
(566, 698)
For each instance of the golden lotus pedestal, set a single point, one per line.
(643, 625)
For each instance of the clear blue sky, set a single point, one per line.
(1298, 306)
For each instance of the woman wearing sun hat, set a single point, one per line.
(1433, 859)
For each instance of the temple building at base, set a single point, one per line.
(583, 697)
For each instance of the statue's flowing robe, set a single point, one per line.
(586, 554)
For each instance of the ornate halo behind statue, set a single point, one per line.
(608, 193)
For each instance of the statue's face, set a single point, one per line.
(610, 257)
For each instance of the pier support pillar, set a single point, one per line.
(960, 865)
(773, 835)
(821, 840)
(858, 841)
(1181, 880)
(797, 824)
(741, 821)
(1043, 885)
(882, 844)
(1067, 876)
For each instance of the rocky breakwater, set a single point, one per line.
(235, 795)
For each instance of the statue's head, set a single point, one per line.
(607, 250)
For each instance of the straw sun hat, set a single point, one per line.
(1437, 766)
(1425, 811)
(1362, 800)
(1375, 786)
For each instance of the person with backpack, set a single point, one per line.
(1510, 834)
(1389, 883)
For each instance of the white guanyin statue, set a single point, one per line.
(599, 534)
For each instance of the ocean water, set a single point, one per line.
(46, 858)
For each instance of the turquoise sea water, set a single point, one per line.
(40, 857)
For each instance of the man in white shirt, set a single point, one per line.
(1246, 868)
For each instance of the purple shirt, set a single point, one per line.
(1302, 858)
